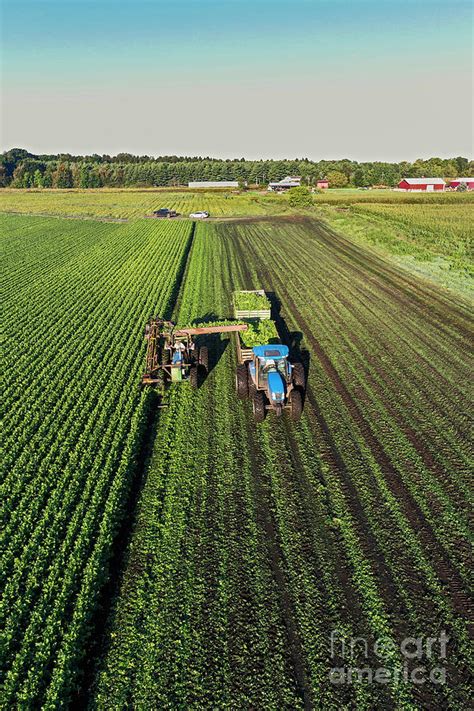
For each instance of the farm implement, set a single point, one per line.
(173, 354)
(264, 372)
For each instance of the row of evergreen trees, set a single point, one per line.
(21, 169)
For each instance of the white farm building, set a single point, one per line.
(290, 181)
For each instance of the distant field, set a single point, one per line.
(430, 234)
(440, 229)
(350, 197)
(136, 203)
(434, 240)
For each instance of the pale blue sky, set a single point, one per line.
(374, 79)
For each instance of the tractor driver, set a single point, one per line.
(179, 349)
(272, 366)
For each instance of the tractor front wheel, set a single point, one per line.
(296, 405)
(203, 357)
(241, 382)
(259, 411)
(194, 377)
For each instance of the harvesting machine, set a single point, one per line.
(173, 355)
(264, 372)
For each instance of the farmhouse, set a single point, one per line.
(285, 184)
(422, 184)
(468, 182)
(213, 184)
(322, 184)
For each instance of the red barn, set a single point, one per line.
(457, 181)
(323, 184)
(422, 184)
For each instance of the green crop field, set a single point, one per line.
(186, 557)
(438, 229)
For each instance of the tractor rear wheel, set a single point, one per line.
(203, 357)
(252, 387)
(194, 376)
(299, 377)
(241, 382)
(259, 410)
(296, 405)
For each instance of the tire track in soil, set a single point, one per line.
(269, 527)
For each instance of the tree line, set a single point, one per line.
(21, 169)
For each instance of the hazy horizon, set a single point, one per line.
(365, 80)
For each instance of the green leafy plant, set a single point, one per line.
(250, 301)
(259, 333)
(300, 197)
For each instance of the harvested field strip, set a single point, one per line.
(346, 377)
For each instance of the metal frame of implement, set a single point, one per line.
(162, 336)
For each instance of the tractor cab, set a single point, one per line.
(270, 371)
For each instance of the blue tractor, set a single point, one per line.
(266, 375)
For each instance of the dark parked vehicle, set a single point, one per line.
(164, 212)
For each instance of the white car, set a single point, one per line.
(201, 215)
